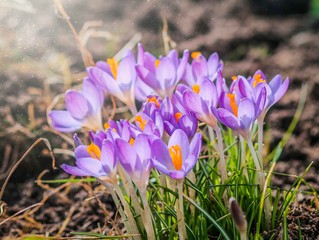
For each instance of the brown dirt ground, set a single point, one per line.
(39, 59)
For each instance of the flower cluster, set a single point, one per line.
(175, 95)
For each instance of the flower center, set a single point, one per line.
(113, 66)
(196, 88)
(157, 63)
(257, 80)
(177, 116)
(132, 140)
(94, 151)
(176, 155)
(234, 78)
(195, 55)
(154, 100)
(233, 104)
(142, 122)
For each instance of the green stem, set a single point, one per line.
(261, 175)
(243, 155)
(180, 211)
(130, 224)
(221, 162)
(260, 122)
(147, 217)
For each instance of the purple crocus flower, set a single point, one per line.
(162, 74)
(117, 78)
(240, 114)
(83, 109)
(179, 157)
(175, 116)
(135, 157)
(201, 68)
(200, 100)
(92, 160)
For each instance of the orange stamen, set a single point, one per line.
(157, 62)
(176, 155)
(94, 151)
(142, 122)
(234, 78)
(233, 104)
(106, 126)
(257, 80)
(195, 55)
(113, 66)
(132, 140)
(196, 88)
(177, 116)
(154, 100)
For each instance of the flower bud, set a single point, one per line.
(238, 215)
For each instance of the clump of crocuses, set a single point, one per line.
(180, 101)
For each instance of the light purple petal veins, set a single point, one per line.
(63, 121)
(74, 170)
(77, 105)
(246, 113)
(91, 165)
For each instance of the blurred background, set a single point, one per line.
(40, 59)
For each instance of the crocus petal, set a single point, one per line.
(227, 118)
(161, 153)
(142, 146)
(281, 90)
(126, 154)
(199, 65)
(93, 94)
(73, 170)
(108, 159)
(194, 103)
(107, 82)
(182, 65)
(81, 152)
(180, 138)
(208, 92)
(213, 64)
(246, 113)
(148, 77)
(77, 105)
(275, 83)
(172, 173)
(91, 165)
(166, 73)
(63, 121)
(126, 74)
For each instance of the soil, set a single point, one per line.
(39, 59)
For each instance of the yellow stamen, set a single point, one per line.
(177, 116)
(233, 104)
(132, 140)
(257, 80)
(142, 122)
(154, 100)
(176, 155)
(94, 151)
(196, 88)
(234, 78)
(113, 66)
(195, 55)
(157, 62)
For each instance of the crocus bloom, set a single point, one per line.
(175, 116)
(94, 160)
(179, 157)
(83, 109)
(200, 100)
(135, 157)
(239, 115)
(117, 78)
(162, 74)
(201, 68)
